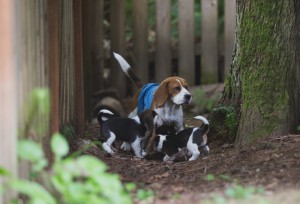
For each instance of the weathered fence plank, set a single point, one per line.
(117, 34)
(79, 87)
(186, 40)
(54, 64)
(97, 45)
(8, 90)
(209, 41)
(87, 55)
(230, 11)
(67, 65)
(140, 39)
(163, 40)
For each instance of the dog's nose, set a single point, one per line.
(187, 96)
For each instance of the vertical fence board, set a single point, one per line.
(209, 41)
(33, 70)
(140, 38)
(8, 90)
(186, 50)
(67, 70)
(87, 55)
(97, 47)
(230, 11)
(79, 89)
(54, 64)
(117, 34)
(163, 40)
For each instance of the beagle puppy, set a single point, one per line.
(131, 130)
(166, 98)
(170, 142)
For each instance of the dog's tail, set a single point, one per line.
(104, 115)
(205, 124)
(128, 70)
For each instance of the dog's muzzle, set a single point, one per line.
(187, 98)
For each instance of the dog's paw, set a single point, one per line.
(194, 157)
(125, 146)
(107, 148)
(166, 158)
(144, 153)
(140, 156)
(206, 149)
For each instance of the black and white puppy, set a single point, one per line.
(169, 142)
(130, 130)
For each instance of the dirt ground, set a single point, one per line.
(273, 164)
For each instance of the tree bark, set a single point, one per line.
(264, 80)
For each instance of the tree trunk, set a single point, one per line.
(264, 80)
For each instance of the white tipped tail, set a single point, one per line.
(128, 70)
(106, 111)
(204, 120)
(205, 124)
(123, 63)
(104, 115)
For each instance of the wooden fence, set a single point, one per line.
(41, 48)
(59, 45)
(202, 62)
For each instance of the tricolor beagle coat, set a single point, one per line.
(167, 98)
(131, 130)
(170, 142)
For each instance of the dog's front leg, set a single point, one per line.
(193, 149)
(136, 146)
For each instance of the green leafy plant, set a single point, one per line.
(298, 128)
(230, 120)
(38, 104)
(83, 179)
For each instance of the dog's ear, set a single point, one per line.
(161, 94)
(153, 113)
(184, 82)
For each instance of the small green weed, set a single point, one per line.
(176, 196)
(241, 192)
(69, 132)
(143, 194)
(209, 177)
(298, 128)
(225, 177)
(237, 192)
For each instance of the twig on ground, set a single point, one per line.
(283, 137)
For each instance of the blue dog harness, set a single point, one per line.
(146, 96)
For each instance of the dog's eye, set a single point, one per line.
(176, 88)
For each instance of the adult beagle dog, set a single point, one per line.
(166, 98)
